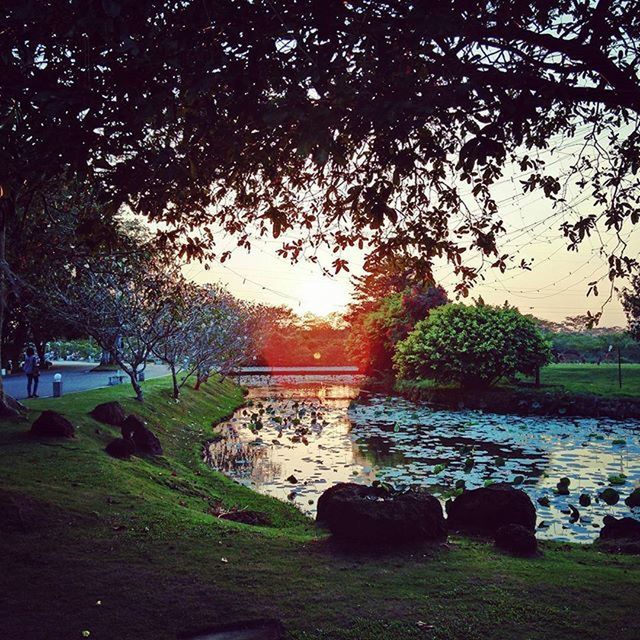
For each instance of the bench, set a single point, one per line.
(118, 378)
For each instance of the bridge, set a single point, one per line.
(293, 371)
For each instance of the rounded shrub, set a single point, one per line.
(474, 346)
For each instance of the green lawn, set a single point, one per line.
(574, 378)
(127, 549)
(591, 378)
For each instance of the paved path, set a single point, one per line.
(76, 376)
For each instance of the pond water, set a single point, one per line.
(300, 435)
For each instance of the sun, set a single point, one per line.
(323, 295)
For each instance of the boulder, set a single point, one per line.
(109, 413)
(120, 448)
(628, 528)
(358, 513)
(11, 408)
(130, 425)
(516, 539)
(146, 442)
(483, 511)
(51, 424)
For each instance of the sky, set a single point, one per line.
(555, 288)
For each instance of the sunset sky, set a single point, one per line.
(554, 289)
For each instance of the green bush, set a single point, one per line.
(472, 346)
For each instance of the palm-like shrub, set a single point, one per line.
(473, 346)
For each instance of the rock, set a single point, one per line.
(146, 442)
(622, 528)
(11, 408)
(364, 514)
(633, 500)
(485, 510)
(51, 424)
(621, 535)
(292, 479)
(584, 499)
(516, 539)
(130, 424)
(121, 448)
(109, 413)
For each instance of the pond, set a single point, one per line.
(297, 436)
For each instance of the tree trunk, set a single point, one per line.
(136, 386)
(174, 379)
(199, 380)
(106, 358)
(6, 209)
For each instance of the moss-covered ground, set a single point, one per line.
(130, 549)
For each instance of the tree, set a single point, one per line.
(178, 328)
(377, 326)
(226, 337)
(128, 305)
(631, 305)
(204, 329)
(385, 125)
(474, 346)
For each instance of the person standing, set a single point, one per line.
(31, 367)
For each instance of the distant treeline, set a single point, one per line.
(593, 347)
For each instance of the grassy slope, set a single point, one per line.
(138, 539)
(576, 378)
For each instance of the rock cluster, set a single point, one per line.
(136, 437)
(379, 514)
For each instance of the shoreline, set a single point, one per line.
(519, 401)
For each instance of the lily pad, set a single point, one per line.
(633, 500)
(617, 479)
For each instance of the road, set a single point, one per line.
(76, 376)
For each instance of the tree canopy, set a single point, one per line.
(474, 346)
(631, 305)
(367, 123)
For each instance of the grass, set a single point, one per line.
(128, 549)
(601, 380)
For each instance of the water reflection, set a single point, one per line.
(299, 436)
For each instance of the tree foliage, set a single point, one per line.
(365, 123)
(291, 340)
(377, 327)
(127, 304)
(631, 305)
(474, 346)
